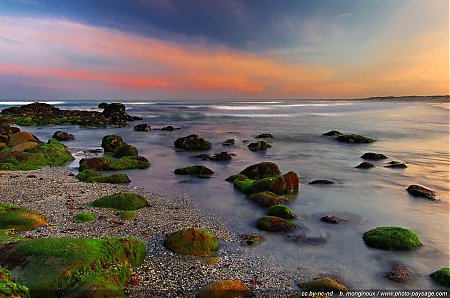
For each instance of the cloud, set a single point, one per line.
(343, 15)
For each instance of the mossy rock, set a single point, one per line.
(84, 217)
(76, 267)
(24, 146)
(258, 146)
(225, 288)
(87, 173)
(333, 133)
(237, 176)
(266, 199)
(194, 171)
(21, 137)
(287, 183)
(92, 176)
(281, 211)
(355, 139)
(111, 143)
(373, 156)
(323, 284)
(122, 201)
(114, 164)
(391, 238)
(192, 143)
(251, 239)
(9, 288)
(10, 235)
(126, 150)
(261, 170)
(127, 215)
(63, 136)
(51, 154)
(228, 142)
(442, 277)
(194, 242)
(19, 218)
(275, 224)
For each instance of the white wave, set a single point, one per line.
(313, 105)
(241, 108)
(11, 103)
(258, 102)
(141, 103)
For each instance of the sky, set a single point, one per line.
(223, 49)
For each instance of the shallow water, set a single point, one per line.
(412, 132)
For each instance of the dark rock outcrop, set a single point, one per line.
(228, 142)
(192, 143)
(365, 165)
(63, 136)
(258, 146)
(333, 219)
(142, 127)
(396, 165)
(261, 170)
(264, 136)
(399, 273)
(422, 192)
(321, 181)
(373, 156)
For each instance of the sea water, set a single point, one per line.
(413, 132)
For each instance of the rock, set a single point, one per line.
(76, 267)
(422, 192)
(169, 128)
(222, 156)
(373, 156)
(323, 284)
(10, 235)
(63, 136)
(266, 199)
(19, 218)
(365, 165)
(192, 143)
(355, 139)
(391, 238)
(84, 217)
(258, 146)
(226, 288)
(261, 170)
(102, 105)
(333, 219)
(118, 178)
(21, 137)
(442, 277)
(275, 224)
(333, 133)
(264, 136)
(114, 164)
(9, 287)
(228, 142)
(127, 215)
(125, 150)
(116, 112)
(2, 145)
(251, 239)
(122, 201)
(111, 143)
(142, 127)
(24, 146)
(194, 171)
(7, 130)
(194, 242)
(281, 211)
(396, 165)
(287, 183)
(237, 176)
(399, 273)
(321, 181)
(305, 239)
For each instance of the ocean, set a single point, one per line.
(413, 132)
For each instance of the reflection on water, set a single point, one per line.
(414, 133)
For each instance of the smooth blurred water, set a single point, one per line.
(413, 132)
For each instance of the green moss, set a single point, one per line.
(122, 201)
(355, 139)
(10, 235)
(275, 224)
(68, 265)
(111, 143)
(19, 218)
(84, 217)
(126, 150)
(85, 174)
(127, 215)
(194, 171)
(391, 238)
(287, 183)
(281, 211)
(114, 164)
(232, 178)
(323, 284)
(195, 242)
(9, 288)
(265, 199)
(244, 185)
(442, 277)
(51, 154)
(119, 178)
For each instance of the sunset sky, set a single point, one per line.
(202, 49)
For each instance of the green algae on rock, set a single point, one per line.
(194, 242)
(323, 284)
(275, 224)
(122, 201)
(92, 176)
(281, 211)
(84, 217)
(19, 218)
(192, 143)
(114, 145)
(355, 139)
(10, 235)
(75, 267)
(251, 239)
(9, 288)
(114, 164)
(198, 170)
(442, 277)
(127, 215)
(225, 288)
(333, 133)
(391, 238)
(265, 198)
(52, 153)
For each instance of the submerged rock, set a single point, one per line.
(321, 181)
(373, 156)
(228, 142)
(305, 239)
(333, 133)
(275, 224)
(169, 128)
(194, 242)
(355, 139)
(266, 199)
(198, 170)
(258, 146)
(399, 273)
(192, 143)
(391, 238)
(63, 136)
(396, 165)
(333, 219)
(442, 277)
(251, 239)
(223, 156)
(422, 192)
(281, 211)
(226, 288)
(142, 127)
(264, 136)
(365, 165)
(261, 170)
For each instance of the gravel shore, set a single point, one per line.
(60, 196)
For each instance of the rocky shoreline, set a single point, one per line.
(58, 195)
